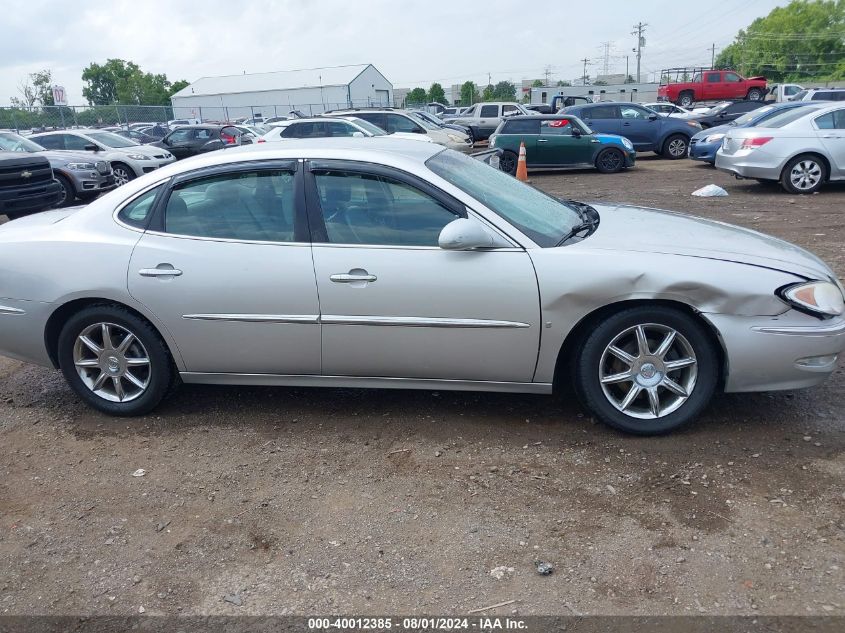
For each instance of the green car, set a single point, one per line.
(555, 141)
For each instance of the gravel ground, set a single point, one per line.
(281, 501)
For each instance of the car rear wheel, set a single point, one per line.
(755, 94)
(68, 194)
(114, 360)
(804, 174)
(647, 370)
(508, 161)
(675, 147)
(686, 99)
(122, 173)
(610, 161)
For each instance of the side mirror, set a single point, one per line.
(653, 117)
(419, 130)
(357, 135)
(166, 140)
(576, 132)
(464, 235)
(91, 148)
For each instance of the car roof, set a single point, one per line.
(539, 117)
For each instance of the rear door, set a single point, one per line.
(603, 118)
(226, 266)
(712, 87)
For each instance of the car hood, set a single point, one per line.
(656, 231)
(69, 156)
(144, 150)
(716, 129)
(608, 138)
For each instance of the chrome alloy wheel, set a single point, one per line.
(677, 147)
(647, 384)
(112, 362)
(805, 175)
(121, 175)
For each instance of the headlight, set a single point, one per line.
(820, 298)
(628, 144)
(455, 138)
(694, 124)
(138, 157)
(81, 166)
(492, 141)
(713, 138)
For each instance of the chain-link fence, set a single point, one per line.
(41, 118)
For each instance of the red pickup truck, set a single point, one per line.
(711, 85)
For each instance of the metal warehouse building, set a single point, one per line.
(312, 91)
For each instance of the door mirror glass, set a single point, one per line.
(465, 234)
(576, 132)
(357, 135)
(92, 148)
(652, 117)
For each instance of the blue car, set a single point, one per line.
(648, 131)
(705, 144)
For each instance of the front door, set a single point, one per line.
(557, 146)
(226, 267)
(393, 304)
(639, 128)
(180, 143)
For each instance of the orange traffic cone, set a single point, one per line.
(522, 166)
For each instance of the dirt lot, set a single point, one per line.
(367, 502)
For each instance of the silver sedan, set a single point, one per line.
(803, 148)
(397, 264)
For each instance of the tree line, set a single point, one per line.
(117, 82)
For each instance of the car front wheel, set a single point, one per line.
(675, 147)
(647, 370)
(610, 161)
(122, 174)
(114, 360)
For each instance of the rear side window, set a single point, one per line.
(713, 78)
(602, 112)
(251, 205)
(524, 126)
(51, 141)
(831, 121)
(137, 212)
(490, 111)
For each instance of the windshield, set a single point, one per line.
(429, 118)
(112, 140)
(716, 109)
(423, 121)
(750, 116)
(375, 130)
(542, 218)
(10, 142)
(787, 117)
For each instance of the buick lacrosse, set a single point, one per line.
(392, 263)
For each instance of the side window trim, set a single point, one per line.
(316, 222)
(162, 190)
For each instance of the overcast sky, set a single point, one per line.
(412, 44)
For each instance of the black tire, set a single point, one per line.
(68, 192)
(159, 374)
(815, 172)
(610, 161)
(122, 173)
(508, 162)
(686, 98)
(592, 360)
(471, 135)
(675, 147)
(755, 94)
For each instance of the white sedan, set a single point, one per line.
(334, 127)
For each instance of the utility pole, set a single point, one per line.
(639, 29)
(713, 55)
(586, 61)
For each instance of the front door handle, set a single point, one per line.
(162, 270)
(542, 140)
(351, 277)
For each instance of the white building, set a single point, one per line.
(638, 93)
(312, 91)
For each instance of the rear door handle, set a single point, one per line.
(162, 270)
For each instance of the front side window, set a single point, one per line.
(630, 112)
(399, 123)
(337, 128)
(376, 118)
(112, 140)
(489, 111)
(790, 90)
(556, 127)
(76, 142)
(368, 209)
(732, 78)
(137, 212)
(507, 109)
(539, 216)
(180, 136)
(202, 135)
(250, 205)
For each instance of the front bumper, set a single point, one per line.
(788, 351)
(90, 181)
(699, 150)
(30, 198)
(750, 163)
(146, 166)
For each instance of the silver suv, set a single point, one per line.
(482, 119)
(392, 121)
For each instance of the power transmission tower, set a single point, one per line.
(607, 46)
(547, 71)
(639, 29)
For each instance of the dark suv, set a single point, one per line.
(647, 130)
(191, 140)
(26, 185)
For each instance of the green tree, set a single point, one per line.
(488, 94)
(119, 81)
(436, 93)
(799, 42)
(469, 93)
(536, 84)
(417, 96)
(504, 91)
(563, 84)
(36, 89)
